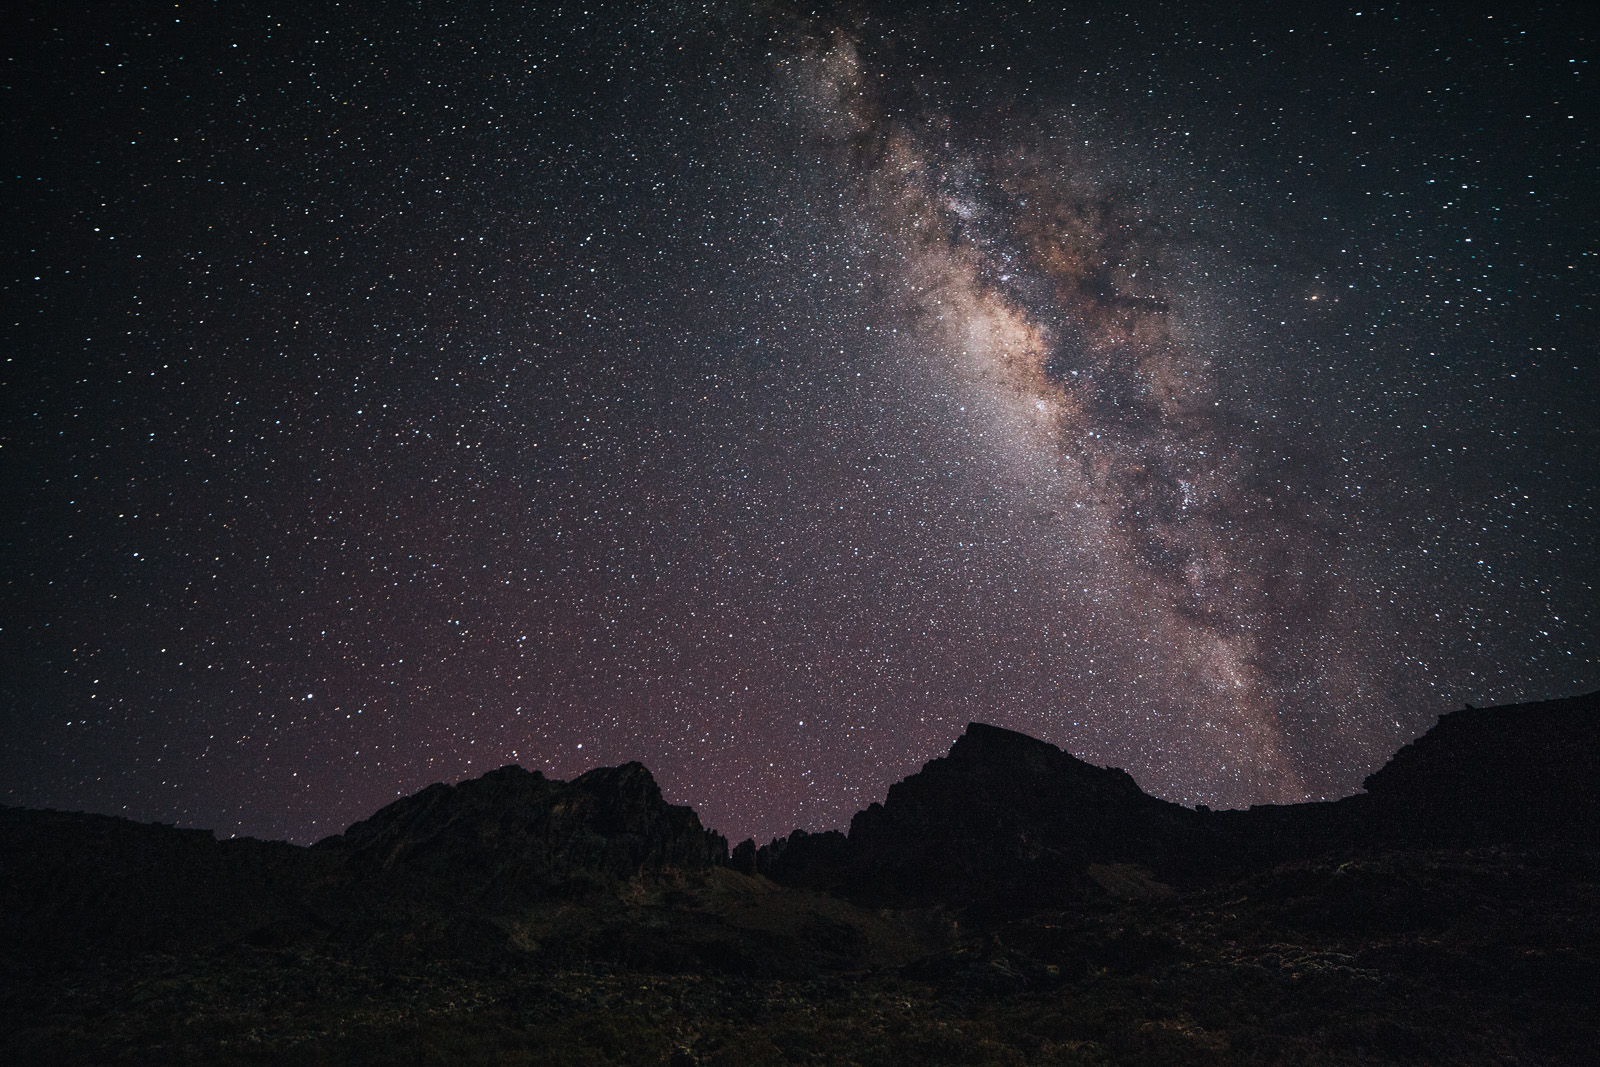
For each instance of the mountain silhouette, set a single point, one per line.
(1464, 875)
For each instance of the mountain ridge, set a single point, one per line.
(1001, 818)
(1008, 903)
(1004, 814)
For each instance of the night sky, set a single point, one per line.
(763, 392)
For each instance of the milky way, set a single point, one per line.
(1023, 269)
(764, 395)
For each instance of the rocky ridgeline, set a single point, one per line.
(1003, 820)
(73, 883)
(1007, 818)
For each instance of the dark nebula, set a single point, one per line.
(762, 393)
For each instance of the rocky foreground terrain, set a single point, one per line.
(1009, 904)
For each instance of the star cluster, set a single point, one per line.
(764, 394)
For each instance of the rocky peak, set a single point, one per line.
(1010, 776)
(1008, 761)
(514, 831)
(1002, 814)
(983, 744)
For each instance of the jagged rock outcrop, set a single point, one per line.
(514, 833)
(72, 882)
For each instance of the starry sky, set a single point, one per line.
(764, 391)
